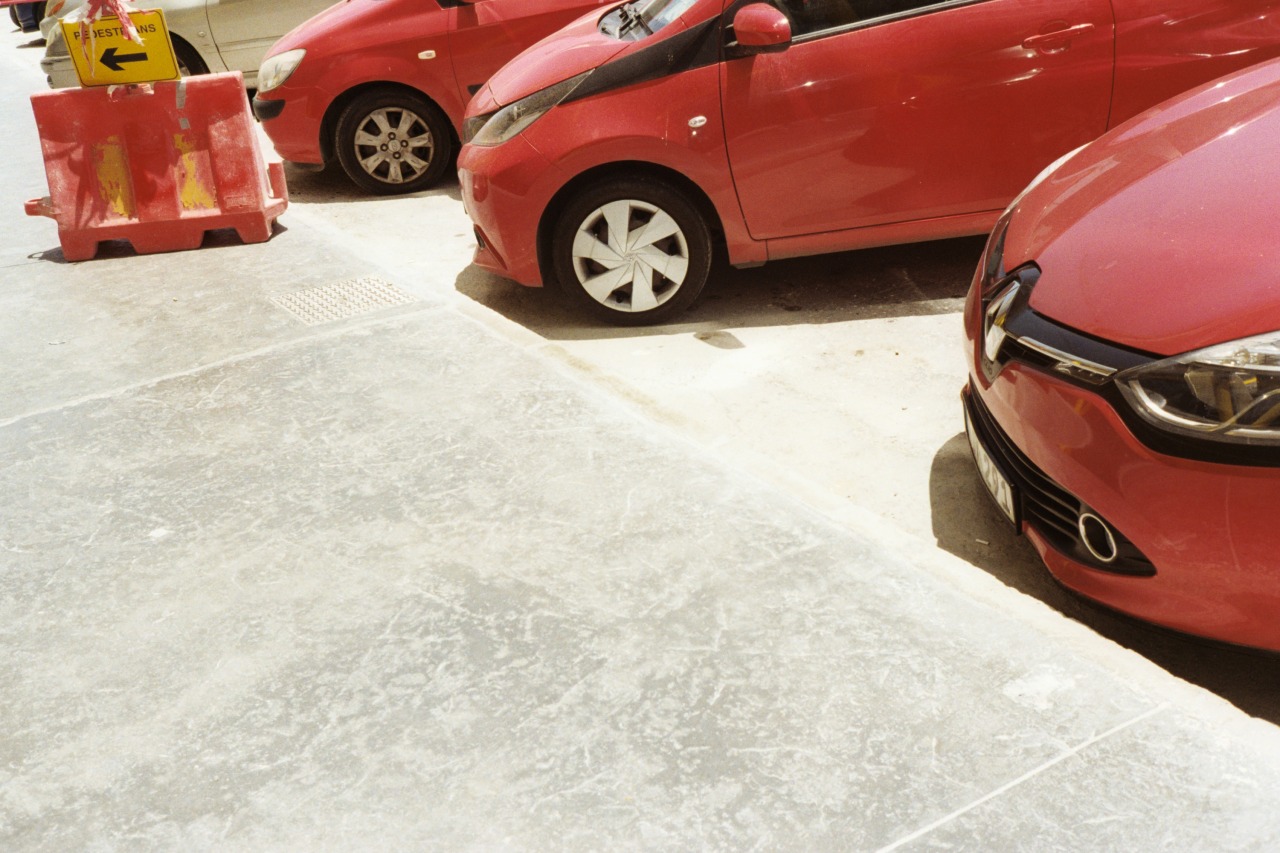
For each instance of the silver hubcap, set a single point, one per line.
(630, 255)
(393, 145)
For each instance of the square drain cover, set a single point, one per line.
(341, 300)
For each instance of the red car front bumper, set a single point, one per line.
(1207, 529)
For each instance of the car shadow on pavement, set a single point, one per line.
(893, 281)
(967, 523)
(332, 186)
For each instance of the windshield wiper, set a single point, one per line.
(631, 19)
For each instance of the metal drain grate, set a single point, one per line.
(341, 300)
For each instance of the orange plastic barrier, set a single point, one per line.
(157, 165)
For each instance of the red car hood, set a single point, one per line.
(332, 23)
(578, 47)
(1163, 235)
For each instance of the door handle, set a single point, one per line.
(1058, 39)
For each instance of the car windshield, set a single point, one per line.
(658, 13)
(640, 18)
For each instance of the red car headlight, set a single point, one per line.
(1229, 392)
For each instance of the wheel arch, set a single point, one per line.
(180, 43)
(621, 169)
(329, 124)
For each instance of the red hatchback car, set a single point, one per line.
(381, 85)
(610, 156)
(1124, 394)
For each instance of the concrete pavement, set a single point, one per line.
(397, 580)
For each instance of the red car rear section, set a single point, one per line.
(1165, 47)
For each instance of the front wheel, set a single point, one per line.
(392, 142)
(189, 61)
(633, 251)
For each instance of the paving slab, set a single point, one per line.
(398, 583)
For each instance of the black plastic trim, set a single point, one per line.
(265, 110)
(1024, 322)
(1045, 506)
(696, 47)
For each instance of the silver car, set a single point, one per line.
(208, 35)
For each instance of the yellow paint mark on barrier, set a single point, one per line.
(112, 170)
(193, 193)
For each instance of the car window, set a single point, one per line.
(812, 16)
(658, 13)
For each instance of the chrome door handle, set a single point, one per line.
(1058, 39)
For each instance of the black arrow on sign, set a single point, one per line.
(113, 62)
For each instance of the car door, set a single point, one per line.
(244, 29)
(884, 111)
(489, 33)
(1164, 47)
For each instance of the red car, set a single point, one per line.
(611, 156)
(381, 85)
(1124, 394)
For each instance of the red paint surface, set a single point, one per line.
(1179, 202)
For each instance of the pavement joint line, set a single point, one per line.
(1030, 774)
(26, 262)
(411, 309)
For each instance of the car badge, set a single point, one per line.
(993, 333)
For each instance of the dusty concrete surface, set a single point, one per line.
(835, 378)
(428, 578)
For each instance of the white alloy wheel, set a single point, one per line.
(632, 250)
(630, 256)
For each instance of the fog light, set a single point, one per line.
(1097, 538)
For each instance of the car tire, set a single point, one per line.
(599, 268)
(375, 124)
(37, 12)
(189, 61)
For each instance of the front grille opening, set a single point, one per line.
(1049, 509)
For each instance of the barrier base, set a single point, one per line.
(150, 238)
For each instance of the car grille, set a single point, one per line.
(1048, 508)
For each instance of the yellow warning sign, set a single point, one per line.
(104, 57)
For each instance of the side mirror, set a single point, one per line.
(761, 28)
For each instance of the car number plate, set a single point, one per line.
(997, 484)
